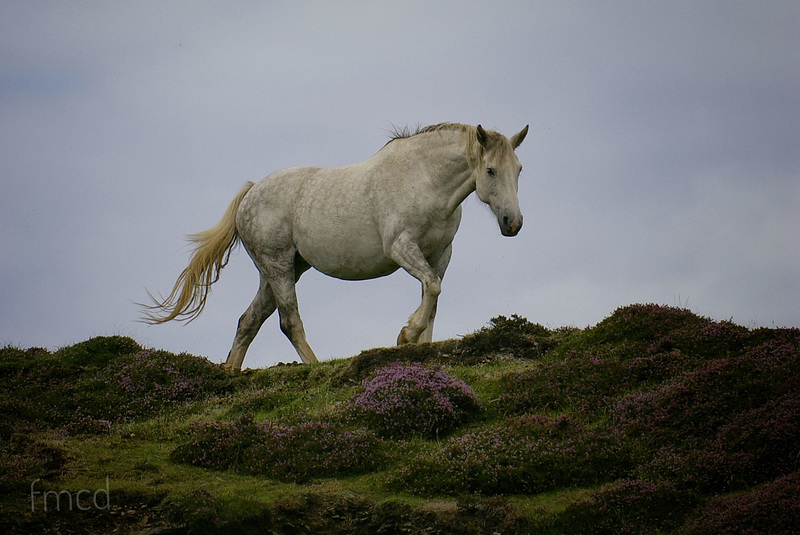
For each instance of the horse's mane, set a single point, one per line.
(404, 132)
(473, 149)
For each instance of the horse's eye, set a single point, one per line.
(490, 170)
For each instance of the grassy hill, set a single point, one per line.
(655, 420)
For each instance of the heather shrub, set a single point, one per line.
(404, 400)
(17, 414)
(644, 323)
(516, 335)
(753, 447)
(289, 453)
(703, 340)
(583, 381)
(772, 508)
(97, 352)
(700, 401)
(658, 365)
(365, 364)
(654, 421)
(769, 435)
(42, 387)
(87, 425)
(14, 360)
(637, 346)
(729, 424)
(529, 454)
(133, 387)
(150, 381)
(89, 385)
(23, 459)
(628, 507)
(638, 331)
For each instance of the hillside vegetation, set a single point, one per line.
(655, 420)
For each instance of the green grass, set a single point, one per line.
(560, 444)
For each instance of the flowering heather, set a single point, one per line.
(105, 379)
(641, 348)
(529, 454)
(728, 424)
(584, 381)
(752, 447)
(151, 380)
(404, 400)
(628, 507)
(23, 458)
(772, 508)
(87, 425)
(289, 453)
(702, 400)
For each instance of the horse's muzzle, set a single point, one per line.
(510, 226)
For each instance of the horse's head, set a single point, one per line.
(498, 176)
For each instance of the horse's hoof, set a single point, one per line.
(402, 338)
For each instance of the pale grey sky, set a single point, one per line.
(662, 163)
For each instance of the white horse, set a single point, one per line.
(400, 208)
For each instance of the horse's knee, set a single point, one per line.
(434, 287)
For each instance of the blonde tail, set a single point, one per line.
(211, 253)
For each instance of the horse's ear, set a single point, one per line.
(483, 139)
(516, 139)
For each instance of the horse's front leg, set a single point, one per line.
(439, 265)
(405, 251)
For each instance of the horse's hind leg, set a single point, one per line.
(262, 307)
(282, 274)
(291, 324)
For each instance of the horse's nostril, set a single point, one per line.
(505, 220)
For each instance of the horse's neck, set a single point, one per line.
(444, 153)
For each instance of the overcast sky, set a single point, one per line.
(662, 163)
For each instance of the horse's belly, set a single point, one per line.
(346, 257)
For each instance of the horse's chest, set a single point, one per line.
(439, 235)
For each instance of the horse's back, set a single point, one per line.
(326, 213)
